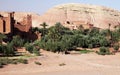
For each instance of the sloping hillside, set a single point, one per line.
(99, 16)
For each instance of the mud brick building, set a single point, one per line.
(9, 26)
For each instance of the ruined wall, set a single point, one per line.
(6, 24)
(1, 25)
(9, 25)
(24, 25)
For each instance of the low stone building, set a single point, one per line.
(76, 24)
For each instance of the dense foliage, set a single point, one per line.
(32, 49)
(9, 49)
(60, 39)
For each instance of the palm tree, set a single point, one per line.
(44, 25)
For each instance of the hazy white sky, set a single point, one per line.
(40, 6)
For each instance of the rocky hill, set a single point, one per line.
(74, 13)
(99, 16)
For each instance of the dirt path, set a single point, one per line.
(85, 64)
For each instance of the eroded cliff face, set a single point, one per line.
(99, 16)
(74, 14)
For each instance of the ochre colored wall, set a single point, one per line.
(5, 21)
(25, 25)
(1, 25)
(10, 24)
(7, 25)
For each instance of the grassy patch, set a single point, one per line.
(26, 56)
(23, 61)
(85, 51)
(6, 61)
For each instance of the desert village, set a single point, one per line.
(11, 27)
(82, 40)
(8, 25)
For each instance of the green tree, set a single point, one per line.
(53, 34)
(36, 51)
(56, 32)
(44, 31)
(115, 36)
(104, 51)
(17, 41)
(94, 32)
(116, 47)
(2, 36)
(104, 42)
(8, 50)
(34, 29)
(29, 47)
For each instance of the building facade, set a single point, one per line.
(8, 25)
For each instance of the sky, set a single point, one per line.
(41, 6)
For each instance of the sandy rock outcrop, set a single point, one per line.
(74, 13)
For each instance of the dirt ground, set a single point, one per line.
(79, 64)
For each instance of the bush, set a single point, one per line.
(62, 64)
(14, 61)
(32, 49)
(90, 46)
(104, 42)
(29, 47)
(10, 49)
(1, 50)
(24, 61)
(36, 51)
(104, 51)
(1, 66)
(116, 47)
(38, 63)
(17, 41)
(6, 61)
(7, 50)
